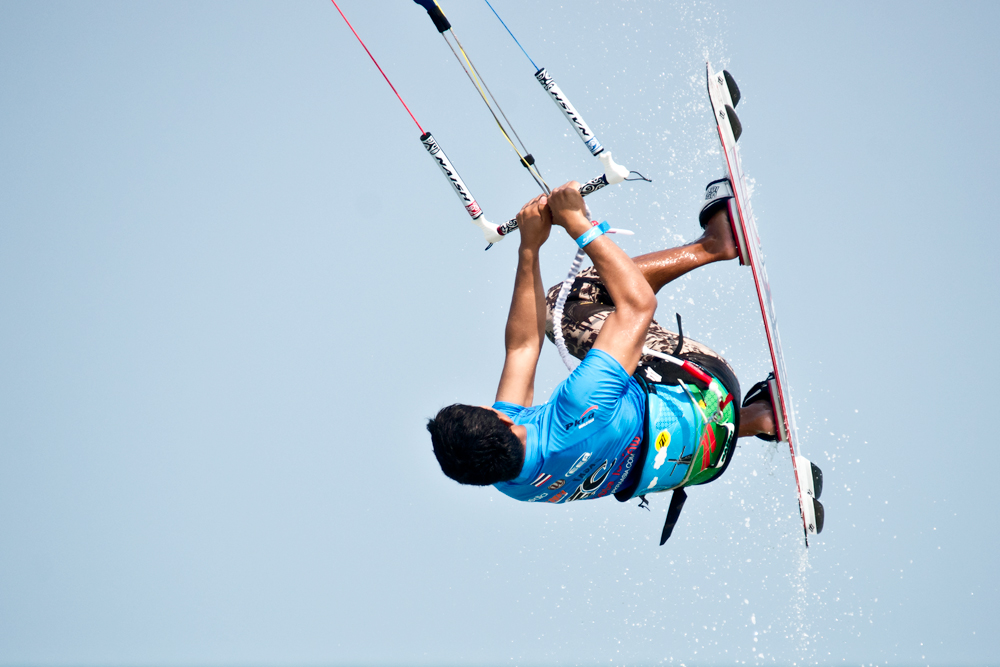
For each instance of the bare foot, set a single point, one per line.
(718, 239)
(757, 418)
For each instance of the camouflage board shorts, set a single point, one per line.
(589, 303)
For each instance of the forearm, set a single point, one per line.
(526, 321)
(629, 289)
(624, 331)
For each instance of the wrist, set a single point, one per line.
(588, 236)
(577, 226)
(570, 218)
(528, 251)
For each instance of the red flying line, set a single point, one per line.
(379, 68)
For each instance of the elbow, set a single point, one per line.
(640, 306)
(645, 302)
(649, 308)
(649, 304)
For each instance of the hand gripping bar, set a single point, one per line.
(496, 233)
(585, 189)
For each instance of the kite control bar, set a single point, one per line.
(585, 189)
(613, 172)
(496, 233)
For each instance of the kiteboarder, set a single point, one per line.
(591, 438)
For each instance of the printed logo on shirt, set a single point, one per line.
(586, 419)
(541, 479)
(579, 464)
(623, 470)
(556, 498)
(586, 471)
(558, 484)
(591, 485)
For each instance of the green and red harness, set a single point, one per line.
(689, 436)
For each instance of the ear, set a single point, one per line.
(504, 418)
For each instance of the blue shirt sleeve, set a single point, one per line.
(512, 410)
(590, 396)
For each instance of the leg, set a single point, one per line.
(716, 244)
(589, 304)
(661, 267)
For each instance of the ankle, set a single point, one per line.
(755, 419)
(717, 241)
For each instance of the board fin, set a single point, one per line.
(734, 90)
(734, 122)
(817, 476)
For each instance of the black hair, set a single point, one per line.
(473, 446)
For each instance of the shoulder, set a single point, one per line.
(512, 410)
(601, 361)
(598, 379)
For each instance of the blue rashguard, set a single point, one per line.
(583, 441)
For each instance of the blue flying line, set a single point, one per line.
(512, 37)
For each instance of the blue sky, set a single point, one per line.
(234, 287)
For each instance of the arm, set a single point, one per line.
(526, 322)
(624, 331)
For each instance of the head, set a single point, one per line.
(474, 445)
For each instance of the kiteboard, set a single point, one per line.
(725, 95)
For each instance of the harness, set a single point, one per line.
(689, 435)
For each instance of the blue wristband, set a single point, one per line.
(592, 234)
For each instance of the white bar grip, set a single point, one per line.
(572, 115)
(615, 173)
(490, 231)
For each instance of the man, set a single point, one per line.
(592, 437)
